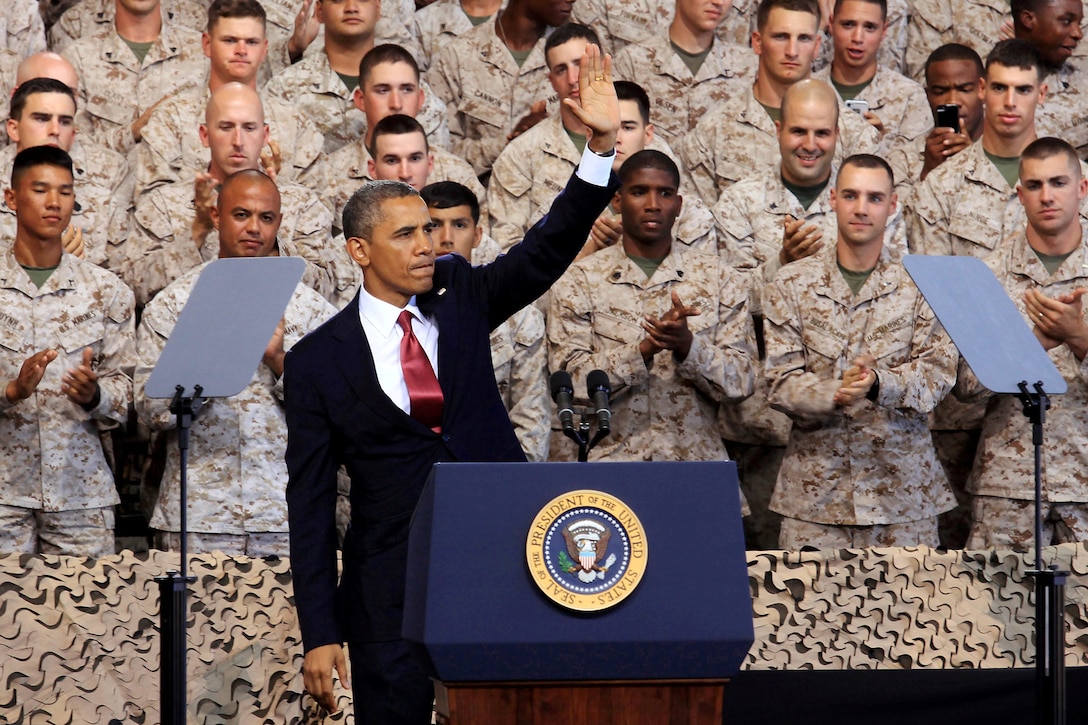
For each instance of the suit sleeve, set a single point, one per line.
(311, 502)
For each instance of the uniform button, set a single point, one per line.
(679, 273)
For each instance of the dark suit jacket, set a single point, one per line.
(338, 414)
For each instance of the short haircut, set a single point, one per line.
(32, 87)
(566, 33)
(385, 53)
(868, 161)
(245, 175)
(396, 125)
(649, 159)
(631, 91)
(448, 194)
(39, 156)
(882, 3)
(220, 9)
(363, 211)
(955, 51)
(1047, 146)
(1016, 53)
(1017, 7)
(812, 7)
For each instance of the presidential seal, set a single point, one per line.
(586, 550)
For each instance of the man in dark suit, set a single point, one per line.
(360, 393)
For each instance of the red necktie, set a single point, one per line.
(423, 389)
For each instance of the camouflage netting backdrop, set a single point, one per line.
(79, 638)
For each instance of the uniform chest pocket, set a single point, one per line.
(84, 331)
(487, 111)
(985, 233)
(823, 343)
(617, 329)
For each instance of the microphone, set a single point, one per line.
(563, 395)
(599, 389)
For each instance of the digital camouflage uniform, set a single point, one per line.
(899, 102)
(907, 162)
(236, 473)
(9, 69)
(348, 171)
(95, 19)
(436, 25)
(664, 410)
(161, 248)
(485, 91)
(872, 462)
(678, 98)
(535, 167)
(171, 147)
(313, 86)
(21, 27)
(737, 139)
(964, 207)
(974, 23)
(1005, 467)
(621, 22)
(1064, 113)
(114, 90)
(102, 185)
(51, 456)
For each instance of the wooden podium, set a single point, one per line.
(502, 651)
(631, 702)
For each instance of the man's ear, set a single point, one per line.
(359, 250)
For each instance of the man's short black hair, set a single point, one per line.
(868, 161)
(31, 87)
(1016, 53)
(396, 125)
(631, 91)
(448, 194)
(955, 51)
(565, 34)
(385, 53)
(39, 156)
(1048, 146)
(649, 159)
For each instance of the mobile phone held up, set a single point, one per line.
(948, 116)
(856, 104)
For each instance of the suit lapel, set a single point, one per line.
(440, 305)
(356, 364)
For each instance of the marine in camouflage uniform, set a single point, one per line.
(872, 462)
(610, 312)
(737, 139)
(933, 23)
(161, 247)
(313, 86)
(1043, 269)
(679, 98)
(102, 186)
(115, 88)
(171, 149)
(534, 168)
(486, 92)
(899, 102)
(236, 472)
(57, 489)
(893, 49)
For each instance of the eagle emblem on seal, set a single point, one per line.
(587, 547)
